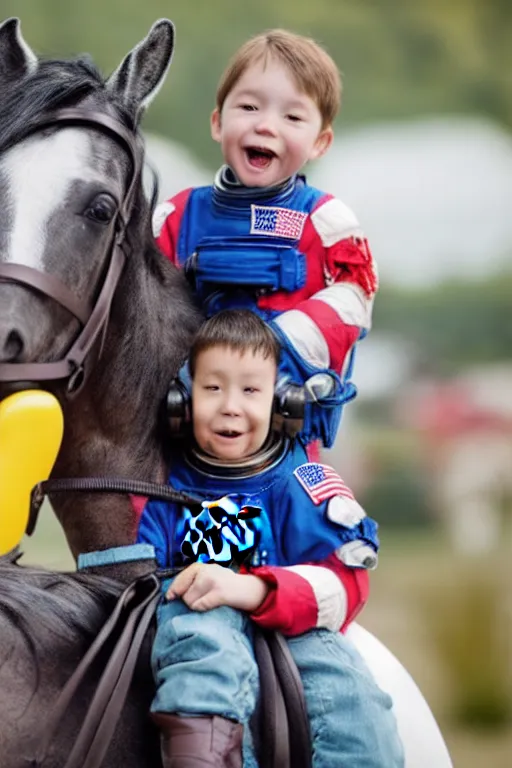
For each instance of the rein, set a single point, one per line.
(129, 621)
(79, 358)
(103, 485)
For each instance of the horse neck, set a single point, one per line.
(113, 427)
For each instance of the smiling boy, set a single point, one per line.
(221, 426)
(267, 127)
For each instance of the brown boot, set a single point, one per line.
(199, 742)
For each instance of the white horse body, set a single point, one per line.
(423, 743)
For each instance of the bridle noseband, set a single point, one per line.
(93, 319)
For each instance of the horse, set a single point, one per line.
(63, 188)
(91, 309)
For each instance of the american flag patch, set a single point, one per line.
(321, 482)
(277, 222)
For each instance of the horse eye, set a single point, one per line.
(102, 209)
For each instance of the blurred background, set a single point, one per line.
(424, 156)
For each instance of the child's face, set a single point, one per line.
(268, 128)
(232, 397)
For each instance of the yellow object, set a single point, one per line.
(31, 428)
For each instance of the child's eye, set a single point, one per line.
(211, 387)
(294, 118)
(248, 107)
(250, 390)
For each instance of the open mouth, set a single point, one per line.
(228, 433)
(259, 157)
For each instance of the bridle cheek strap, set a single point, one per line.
(93, 319)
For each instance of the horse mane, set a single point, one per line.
(35, 602)
(55, 84)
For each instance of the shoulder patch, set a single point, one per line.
(161, 212)
(321, 482)
(335, 221)
(345, 511)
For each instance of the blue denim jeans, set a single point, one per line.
(204, 664)
(351, 718)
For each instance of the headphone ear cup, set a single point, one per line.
(289, 409)
(179, 412)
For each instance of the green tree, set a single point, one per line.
(453, 325)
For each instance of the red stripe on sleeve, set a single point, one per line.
(356, 583)
(290, 607)
(167, 240)
(340, 338)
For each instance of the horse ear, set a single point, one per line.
(17, 59)
(141, 73)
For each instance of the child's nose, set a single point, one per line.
(231, 404)
(266, 125)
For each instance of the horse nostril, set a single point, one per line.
(13, 347)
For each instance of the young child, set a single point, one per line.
(261, 237)
(269, 543)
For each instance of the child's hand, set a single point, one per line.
(205, 586)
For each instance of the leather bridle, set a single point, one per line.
(93, 318)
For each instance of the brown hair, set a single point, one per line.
(313, 69)
(239, 330)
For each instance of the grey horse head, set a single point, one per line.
(61, 188)
(62, 191)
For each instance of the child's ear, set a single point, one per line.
(215, 124)
(323, 143)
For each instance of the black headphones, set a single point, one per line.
(287, 411)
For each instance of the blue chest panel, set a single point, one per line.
(265, 519)
(229, 243)
(229, 531)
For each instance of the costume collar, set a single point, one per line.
(229, 192)
(267, 457)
